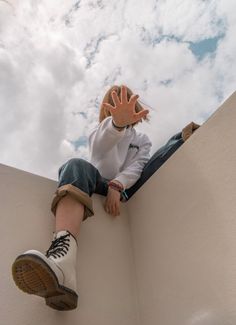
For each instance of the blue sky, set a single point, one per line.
(204, 47)
(57, 62)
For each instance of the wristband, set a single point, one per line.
(115, 186)
(118, 127)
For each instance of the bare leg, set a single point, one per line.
(69, 215)
(53, 275)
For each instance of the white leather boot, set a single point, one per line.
(53, 275)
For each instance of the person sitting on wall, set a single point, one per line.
(119, 164)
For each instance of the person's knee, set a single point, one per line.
(76, 162)
(73, 164)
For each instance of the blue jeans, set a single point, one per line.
(83, 175)
(155, 162)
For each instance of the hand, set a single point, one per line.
(112, 202)
(124, 112)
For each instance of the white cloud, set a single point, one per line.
(57, 62)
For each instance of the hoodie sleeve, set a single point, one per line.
(131, 173)
(103, 138)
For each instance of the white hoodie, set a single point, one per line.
(118, 155)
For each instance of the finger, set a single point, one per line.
(141, 114)
(113, 212)
(109, 207)
(133, 99)
(105, 207)
(118, 208)
(109, 107)
(123, 94)
(117, 212)
(115, 98)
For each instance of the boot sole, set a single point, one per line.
(32, 275)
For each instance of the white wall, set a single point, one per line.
(183, 226)
(176, 234)
(105, 262)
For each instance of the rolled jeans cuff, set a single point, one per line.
(75, 193)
